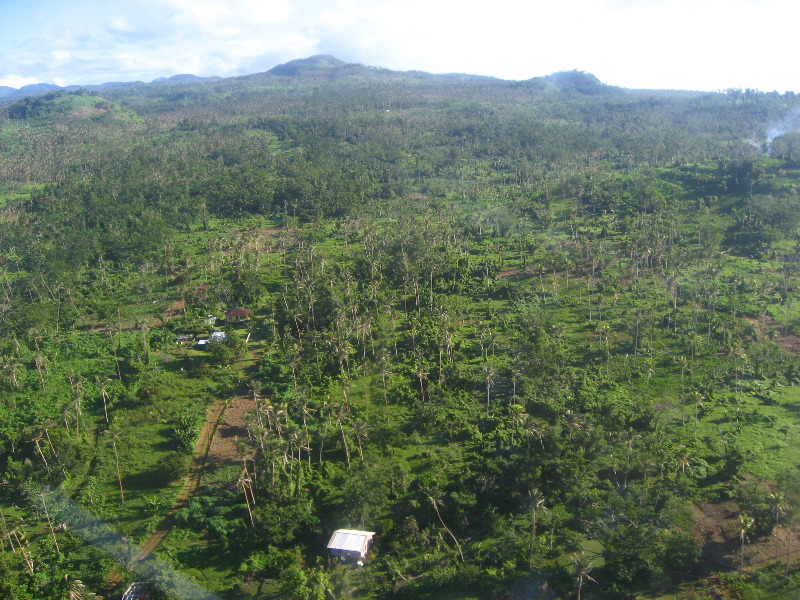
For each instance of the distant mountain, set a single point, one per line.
(9, 94)
(184, 78)
(66, 105)
(325, 66)
(34, 89)
(312, 64)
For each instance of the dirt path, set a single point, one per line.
(224, 447)
(190, 483)
(201, 456)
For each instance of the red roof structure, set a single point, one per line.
(237, 314)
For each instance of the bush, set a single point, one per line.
(184, 432)
(173, 466)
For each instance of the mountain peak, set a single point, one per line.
(316, 63)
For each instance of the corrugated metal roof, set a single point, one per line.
(349, 539)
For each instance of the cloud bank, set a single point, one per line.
(683, 44)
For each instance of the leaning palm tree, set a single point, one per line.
(246, 484)
(113, 434)
(50, 525)
(436, 502)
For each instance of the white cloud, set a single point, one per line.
(61, 56)
(646, 43)
(15, 81)
(122, 24)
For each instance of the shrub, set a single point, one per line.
(173, 466)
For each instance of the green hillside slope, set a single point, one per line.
(537, 335)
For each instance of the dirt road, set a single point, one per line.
(191, 482)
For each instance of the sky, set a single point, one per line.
(655, 44)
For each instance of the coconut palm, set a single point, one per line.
(246, 484)
(746, 523)
(436, 502)
(76, 590)
(778, 501)
(537, 504)
(581, 567)
(103, 385)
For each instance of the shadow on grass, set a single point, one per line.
(151, 479)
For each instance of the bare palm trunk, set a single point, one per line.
(346, 449)
(28, 561)
(119, 475)
(447, 529)
(788, 547)
(50, 525)
(41, 454)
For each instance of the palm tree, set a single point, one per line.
(603, 329)
(17, 532)
(113, 433)
(12, 368)
(650, 363)
(246, 484)
(517, 416)
(40, 362)
(361, 433)
(684, 365)
(341, 418)
(436, 504)
(6, 531)
(697, 398)
(76, 590)
(537, 504)
(50, 525)
(103, 384)
(684, 459)
(695, 339)
(779, 504)
(581, 567)
(386, 371)
(746, 523)
(489, 374)
(41, 454)
(421, 374)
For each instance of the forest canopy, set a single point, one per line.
(536, 335)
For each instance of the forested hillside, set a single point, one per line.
(541, 337)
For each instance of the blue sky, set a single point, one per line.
(675, 44)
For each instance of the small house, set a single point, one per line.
(217, 336)
(237, 315)
(349, 543)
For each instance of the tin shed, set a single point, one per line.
(349, 543)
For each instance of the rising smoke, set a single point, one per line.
(790, 123)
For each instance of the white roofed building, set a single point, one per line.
(349, 543)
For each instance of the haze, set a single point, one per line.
(708, 45)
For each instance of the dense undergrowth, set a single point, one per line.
(519, 330)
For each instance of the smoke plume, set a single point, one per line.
(788, 124)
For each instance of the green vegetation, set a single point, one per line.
(538, 333)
